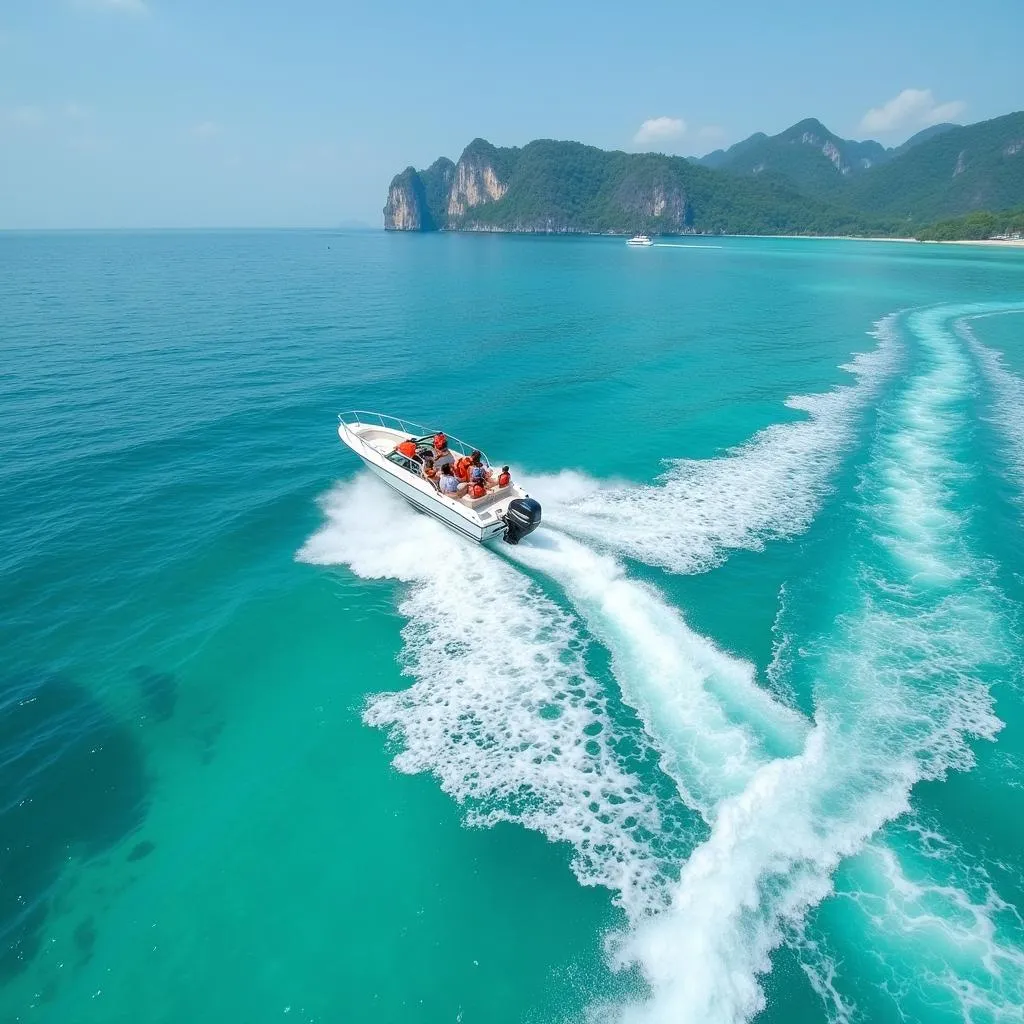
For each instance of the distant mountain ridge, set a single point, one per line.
(809, 155)
(806, 145)
(803, 180)
(977, 167)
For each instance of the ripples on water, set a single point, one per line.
(183, 735)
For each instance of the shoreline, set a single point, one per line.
(696, 238)
(827, 238)
(1012, 243)
(1009, 243)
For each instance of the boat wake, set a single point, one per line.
(502, 709)
(769, 488)
(901, 684)
(901, 668)
(679, 682)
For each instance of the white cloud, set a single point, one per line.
(206, 130)
(657, 130)
(946, 111)
(912, 108)
(120, 6)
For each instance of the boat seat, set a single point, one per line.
(497, 493)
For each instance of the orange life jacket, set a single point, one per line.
(462, 468)
(408, 448)
(504, 479)
(477, 491)
(440, 442)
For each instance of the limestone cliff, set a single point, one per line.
(654, 198)
(477, 178)
(417, 199)
(405, 206)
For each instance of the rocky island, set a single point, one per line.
(806, 180)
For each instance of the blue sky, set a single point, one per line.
(181, 113)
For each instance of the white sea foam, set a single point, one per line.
(502, 710)
(779, 669)
(770, 487)
(949, 943)
(902, 688)
(679, 682)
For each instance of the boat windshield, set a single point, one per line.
(419, 431)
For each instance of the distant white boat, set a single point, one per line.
(639, 240)
(507, 512)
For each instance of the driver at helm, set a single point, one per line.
(442, 455)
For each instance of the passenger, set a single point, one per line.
(462, 468)
(449, 483)
(476, 490)
(441, 452)
(504, 477)
(407, 448)
(478, 472)
(428, 469)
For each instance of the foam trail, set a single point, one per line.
(768, 488)
(902, 686)
(502, 711)
(1009, 395)
(778, 669)
(673, 677)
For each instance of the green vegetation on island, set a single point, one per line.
(976, 227)
(803, 181)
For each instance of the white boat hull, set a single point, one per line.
(435, 506)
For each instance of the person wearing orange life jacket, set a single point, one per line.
(462, 468)
(478, 472)
(440, 451)
(429, 470)
(476, 491)
(504, 477)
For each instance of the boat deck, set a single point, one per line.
(383, 439)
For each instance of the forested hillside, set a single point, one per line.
(803, 181)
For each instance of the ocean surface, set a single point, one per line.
(738, 734)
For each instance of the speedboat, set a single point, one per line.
(507, 512)
(639, 240)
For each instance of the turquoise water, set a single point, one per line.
(738, 734)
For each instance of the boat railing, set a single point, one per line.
(407, 427)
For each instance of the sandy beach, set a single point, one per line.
(1013, 243)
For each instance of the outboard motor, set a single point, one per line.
(522, 517)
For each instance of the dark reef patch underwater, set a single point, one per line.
(72, 784)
